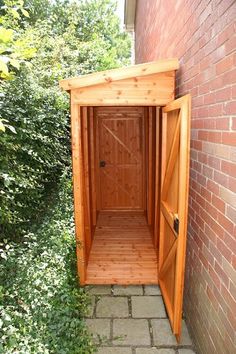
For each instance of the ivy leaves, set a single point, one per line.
(40, 304)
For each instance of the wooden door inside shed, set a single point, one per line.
(120, 158)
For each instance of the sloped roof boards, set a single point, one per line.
(143, 85)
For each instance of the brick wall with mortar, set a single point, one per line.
(201, 33)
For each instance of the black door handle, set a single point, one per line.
(102, 163)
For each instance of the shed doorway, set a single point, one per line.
(130, 154)
(122, 250)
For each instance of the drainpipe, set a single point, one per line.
(129, 22)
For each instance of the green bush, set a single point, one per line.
(33, 158)
(69, 38)
(41, 304)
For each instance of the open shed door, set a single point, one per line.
(174, 206)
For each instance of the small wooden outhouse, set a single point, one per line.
(130, 153)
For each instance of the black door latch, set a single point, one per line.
(102, 163)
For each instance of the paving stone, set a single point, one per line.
(147, 307)
(99, 328)
(99, 289)
(112, 307)
(128, 290)
(91, 307)
(185, 337)
(114, 350)
(152, 290)
(162, 334)
(131, 332)
(154, 351)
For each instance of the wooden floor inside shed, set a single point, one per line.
(122, 250)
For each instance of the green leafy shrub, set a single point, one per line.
(32, 158)
(69, 38)
(14, 49)
(41, 304)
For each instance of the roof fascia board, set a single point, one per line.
(104, 77)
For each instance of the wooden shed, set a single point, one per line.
(130, 152)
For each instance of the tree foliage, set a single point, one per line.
(14, 47)
(68, 39)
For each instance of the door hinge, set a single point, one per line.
(176, 225)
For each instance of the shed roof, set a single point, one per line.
(108, 76)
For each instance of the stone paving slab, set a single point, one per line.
(131, 332)
(100, 329)
(185, 337)
(162, 334)
(112, 307)
(99, 289)
(154, 351)
(147, 307)
(132, 320)
(91, 307)
(152, 290)
(128, 290)
(114, 350)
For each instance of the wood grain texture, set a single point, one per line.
(151, 160)
(174, 204)
(86, 177)
(78, 183)
(169, 207)
(92, 158)
(121, 146)
(122, 251)
(185, 104)
(157, 178)
(104, 77)
(153, 90)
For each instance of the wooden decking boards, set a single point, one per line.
(122, 250)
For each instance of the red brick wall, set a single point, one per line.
(202, 35)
